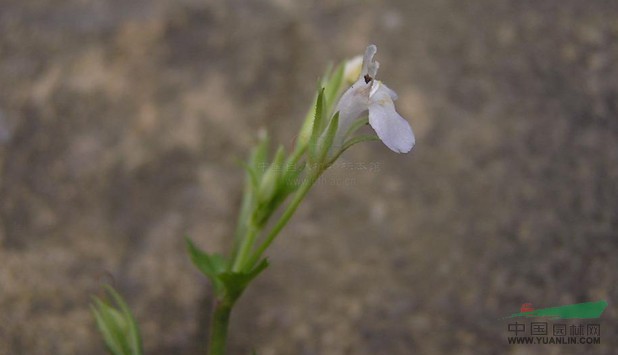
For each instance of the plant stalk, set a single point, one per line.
(287, 214)
(218, 327)
(245, 248)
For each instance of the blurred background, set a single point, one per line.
(121, 123)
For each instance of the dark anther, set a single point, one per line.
(367, 78)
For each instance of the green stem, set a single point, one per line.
(349, 143)
(245, 248)
(218, 328)
(285, 217)
(295, 157)
(245, 211)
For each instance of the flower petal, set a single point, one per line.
(370, 67)
(352, 104)
(394, 131)
(390, 92)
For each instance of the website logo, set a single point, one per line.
(586, 310)
(569, 331)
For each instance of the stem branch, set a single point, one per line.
(300, 195)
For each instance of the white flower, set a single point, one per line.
(369, 94)
(352, 69)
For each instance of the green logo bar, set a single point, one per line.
(584, 310)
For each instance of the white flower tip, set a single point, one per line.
(406, 145)
(371, 50)
(395, 132)
(400, 140)
(392, 129)
(370, 67)
(352, 69)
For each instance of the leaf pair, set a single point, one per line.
(322, 138)
(268, 184)
(228, 285)
(330, 87)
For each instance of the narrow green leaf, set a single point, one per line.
(236, 282)
(291, 178)
(326, 141)
(332, 82)
(255, 168)
(317, 125)
(306, 129)
(270, 181)
(134, 337)
(259, 156)
(105, 327)
(117, 325)
(210, 265)
(333, 86)
(114, 321)
(279, 157)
